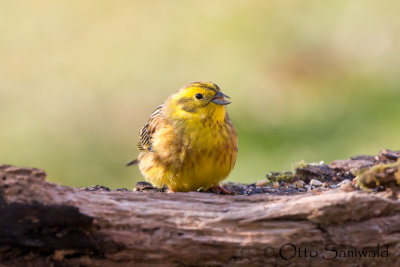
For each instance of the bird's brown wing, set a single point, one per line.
(146, 133)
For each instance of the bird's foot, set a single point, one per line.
(218, 189)
(170, 191)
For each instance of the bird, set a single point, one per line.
(189, 142)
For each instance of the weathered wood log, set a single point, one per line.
(44, 224)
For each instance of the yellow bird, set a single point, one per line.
(189, 142)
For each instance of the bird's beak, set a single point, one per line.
(219, 99)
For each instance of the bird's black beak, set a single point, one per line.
(219, 99)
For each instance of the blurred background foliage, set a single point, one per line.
(309, 80)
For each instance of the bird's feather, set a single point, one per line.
(146, 133)
(133, 162)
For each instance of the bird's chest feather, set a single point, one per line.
(207, 144)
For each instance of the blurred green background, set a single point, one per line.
(309, 80)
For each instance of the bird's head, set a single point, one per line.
(200, 99)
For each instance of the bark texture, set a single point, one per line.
(45, 224)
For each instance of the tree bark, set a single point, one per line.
(44, 224)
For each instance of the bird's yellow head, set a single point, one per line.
(201, 100)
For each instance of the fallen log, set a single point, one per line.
(46, 224)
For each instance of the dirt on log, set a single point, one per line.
(45, 224)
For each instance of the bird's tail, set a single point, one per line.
(133, 162)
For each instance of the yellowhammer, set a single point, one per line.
(189, 142)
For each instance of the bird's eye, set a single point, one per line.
(199, 96)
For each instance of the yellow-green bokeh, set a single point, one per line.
(309, 80)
